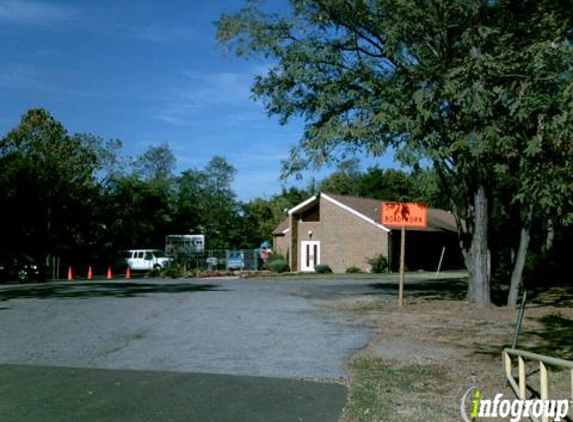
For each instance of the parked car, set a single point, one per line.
(146, 259)
(15, 266)
(235, 260)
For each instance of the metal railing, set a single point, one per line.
(519, 386)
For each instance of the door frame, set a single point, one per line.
(311, 259)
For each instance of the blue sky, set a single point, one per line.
(145, 72)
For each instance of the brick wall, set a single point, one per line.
(281, 244)
(345, 239)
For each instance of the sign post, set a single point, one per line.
(402, 265)
(404, 214)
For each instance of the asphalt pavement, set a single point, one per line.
(237, 327)
(203, 350)
(49, 394)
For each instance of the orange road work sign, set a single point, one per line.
(406, 214)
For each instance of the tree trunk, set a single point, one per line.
(549, 240)
(517, 273)
(477, 256)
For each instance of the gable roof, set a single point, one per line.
(369, 210)
(438, 220)
(282, 228)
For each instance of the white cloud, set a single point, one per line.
(196, 91)
(35, 13)
(218, 87)
(161, 33)
(18, 76)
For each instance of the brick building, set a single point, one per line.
(344, 231)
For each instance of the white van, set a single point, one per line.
(146, 259)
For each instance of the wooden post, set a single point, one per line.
(544, 387)
(522, 381)
(507, 365)
(440, 263)
(404, 214)
(402, 266)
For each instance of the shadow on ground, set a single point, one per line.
(554, 339)
(451, 289)
(557, 295)
(94, 290)
(454, 289)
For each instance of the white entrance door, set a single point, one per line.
(310, 255)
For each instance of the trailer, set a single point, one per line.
(184, 245)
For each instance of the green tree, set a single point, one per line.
(188, 217)
(262, 215)
(344, 181)
(156, 165)
(219, 205)
(386, 185)
(447, 82)
(258, 221)
(49, 184)
(205, 203)
(135, 214)
(140, 202)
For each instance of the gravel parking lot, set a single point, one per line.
(243, 327)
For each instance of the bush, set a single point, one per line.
(174, 270)
(322, 268)
(378, 264)
(278, 266)
(275, 256)
(353, 270)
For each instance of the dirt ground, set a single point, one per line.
(425, 356)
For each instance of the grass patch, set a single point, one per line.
(425, 356)
(380, 392)
(554, 337)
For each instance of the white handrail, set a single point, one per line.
(519, 386)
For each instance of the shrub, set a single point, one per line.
(275, 256)
(378, 264)
(353, 270)
(278, 266)
(173, 271)
(322, 268)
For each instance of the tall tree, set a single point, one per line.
(219, 205)
(344, 181)
(48, 178)
(140, 202)
(156, 165)
(437, 80)
(261, 215)
(205, 203)
(376, 183)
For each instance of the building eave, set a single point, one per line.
(354, 212)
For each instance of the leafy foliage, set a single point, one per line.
(275, 256)
(377, 183)
(322, 269)
(479, 90)
(278, 266)
(378, 264)
(48, 183)
(71, 196)
(262, 215)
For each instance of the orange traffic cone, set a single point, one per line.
(128, 273)
(70, 274)
(109, 275)
(90, 274)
